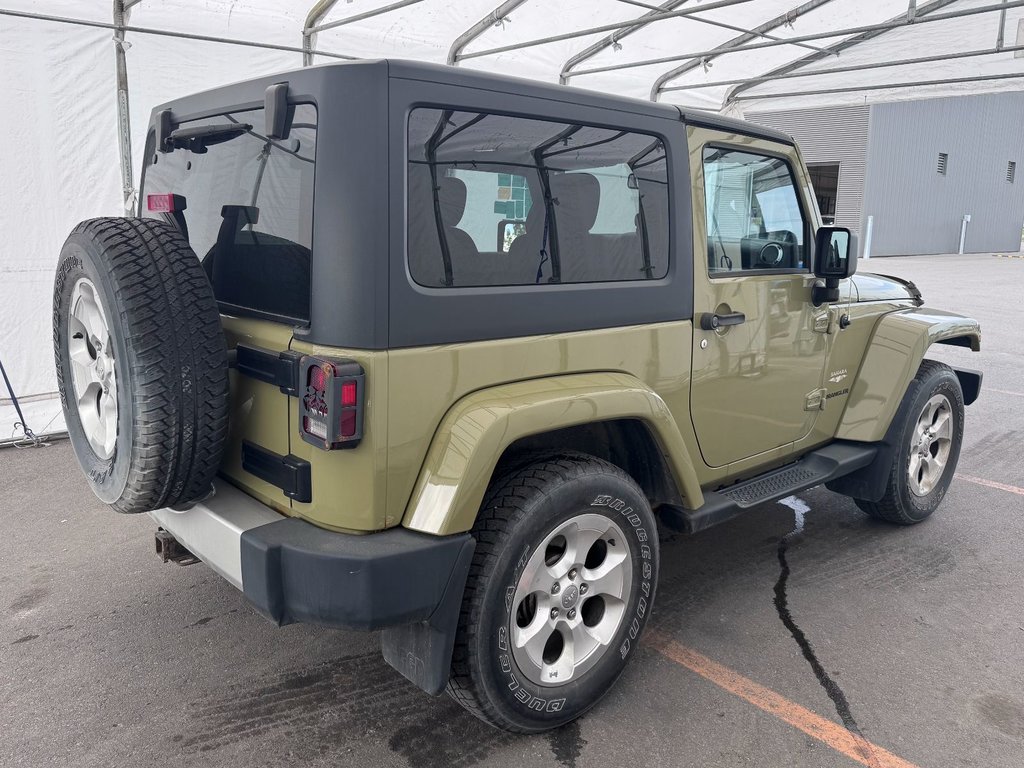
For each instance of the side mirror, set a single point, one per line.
(835, 259)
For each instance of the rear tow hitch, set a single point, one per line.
(169, 549)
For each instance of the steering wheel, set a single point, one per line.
(771, 255)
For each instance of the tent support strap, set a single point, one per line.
(124, 128)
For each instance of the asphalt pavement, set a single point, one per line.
(881, 646)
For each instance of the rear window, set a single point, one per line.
(248, 210)
(499, 200)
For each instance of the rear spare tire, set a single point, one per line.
(141, 363)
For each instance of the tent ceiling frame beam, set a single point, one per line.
(614, 38)
(850, 68)
(731, 27)
(882, 86)
(167, 33)
(494, 18)
(783, 18)
(912, 13)
(880, 27)
(597, 30)
(316, 27)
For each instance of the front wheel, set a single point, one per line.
(560, 589)
(928, 448)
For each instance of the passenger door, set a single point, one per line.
(759, 343)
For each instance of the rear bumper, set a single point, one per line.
(293, 571)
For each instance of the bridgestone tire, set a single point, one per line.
(519, 513)
(169, 361)
(899, 504)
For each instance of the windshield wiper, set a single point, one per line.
(199, 138)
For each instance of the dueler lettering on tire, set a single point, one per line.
(560, 589)
(141, 363)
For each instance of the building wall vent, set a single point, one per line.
(1011, 171)
(943, 162)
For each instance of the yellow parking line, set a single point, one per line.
(824, 730)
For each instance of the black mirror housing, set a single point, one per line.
(835, 253)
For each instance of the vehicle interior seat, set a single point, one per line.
(257, 270)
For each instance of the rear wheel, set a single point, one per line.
(928, 448)
(560, 589)
(141, 363)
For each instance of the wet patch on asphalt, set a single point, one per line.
(329, 708)
(1004, 714)
(781, 600)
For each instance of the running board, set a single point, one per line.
(817, 467)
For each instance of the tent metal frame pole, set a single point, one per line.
(881, 27)
(124, 127)
(912, 13)
(320, 9)
(882, 86)
(1002, 28)
(850, 68)
(494, 17)
(314, 27)
(780, 20)
(167, 33)
(598, 30)
(615, 37)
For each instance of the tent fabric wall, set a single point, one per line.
(60, 161)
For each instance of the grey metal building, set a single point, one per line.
(916, 169)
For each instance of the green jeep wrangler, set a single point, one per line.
(401, 347)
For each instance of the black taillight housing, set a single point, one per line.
(331, 402)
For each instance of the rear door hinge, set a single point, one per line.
(278, 368)
(815, 400)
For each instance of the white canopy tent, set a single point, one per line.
(79, 78)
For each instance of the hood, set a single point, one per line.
(871, 287)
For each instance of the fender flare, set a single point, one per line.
(893, 356)
(476, 431)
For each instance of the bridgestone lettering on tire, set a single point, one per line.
(158, 381)
(531, 582)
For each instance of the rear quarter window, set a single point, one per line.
(248, 211)
(496, 200)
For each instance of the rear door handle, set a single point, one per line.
(709, 321)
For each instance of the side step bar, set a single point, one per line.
(817, 467)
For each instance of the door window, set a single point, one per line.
(753, 214)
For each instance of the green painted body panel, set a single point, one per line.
(429, 382)
(475, 433)
(258, 411)
(721, 405)
(349, 486)
(893, 355)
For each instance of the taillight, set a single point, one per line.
(331, 406)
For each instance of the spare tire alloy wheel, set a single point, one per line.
(561, 586)
(141, 363)
(93, 373)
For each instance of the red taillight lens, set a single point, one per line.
(348, 393)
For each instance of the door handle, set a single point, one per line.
(709, 321)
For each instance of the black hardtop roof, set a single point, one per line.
(468, 78)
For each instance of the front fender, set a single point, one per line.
(892, 358)
(477, 430)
